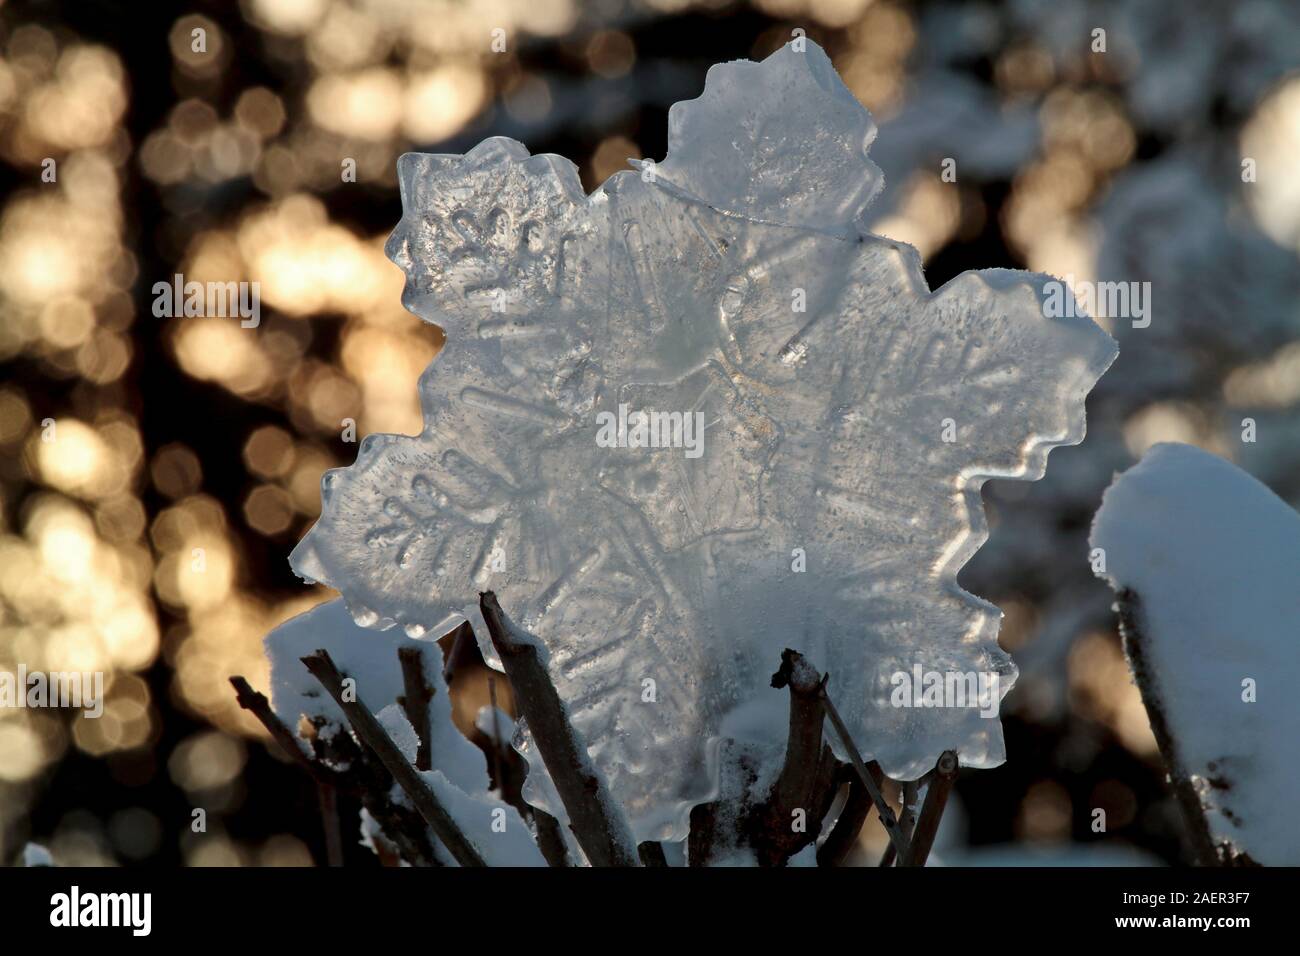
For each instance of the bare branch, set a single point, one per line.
(604, 836)
(887, 818)
(906, 820)
(373, 735)
(462, 652)
(936, 798)
(415, 702)
(255, 703)
(701, 839)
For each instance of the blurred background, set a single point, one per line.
(1169, 158)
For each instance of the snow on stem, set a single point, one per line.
(1200, 840)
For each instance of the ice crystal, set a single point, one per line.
(848, 416)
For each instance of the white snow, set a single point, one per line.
(36, 855)
(827, 511)
(1214, 558)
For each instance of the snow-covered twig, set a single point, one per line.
(936, 798)
(601, 831)
(373, 735)
(370, 782)
(1200, 840)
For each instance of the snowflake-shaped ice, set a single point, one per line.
(823, 423)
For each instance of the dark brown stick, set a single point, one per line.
(803, 748)
(936, 798)
(603, 835)
(807, 783)
(887, 818)
(652, 854)
(373, 735)
(550, 839)
(329, 812)
(256, 704)
(416, 694)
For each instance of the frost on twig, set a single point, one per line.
(597, 823)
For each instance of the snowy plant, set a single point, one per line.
(680, 424)
(1206, 563)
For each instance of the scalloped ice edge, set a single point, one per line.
(307, 566)
(825, 77)
(1035, 453)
